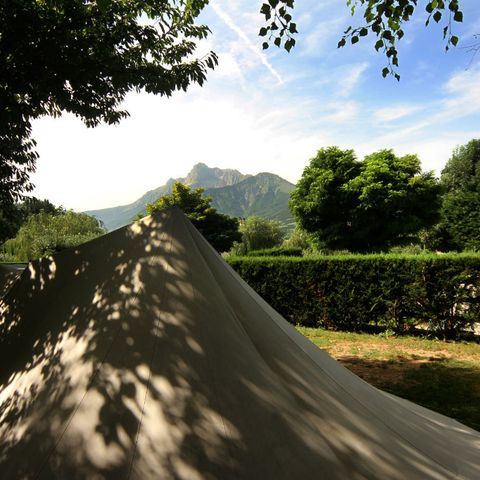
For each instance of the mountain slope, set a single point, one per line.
(265, 195)
(232, 192)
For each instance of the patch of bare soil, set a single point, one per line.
(380, 372)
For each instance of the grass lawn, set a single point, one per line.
(442, 376)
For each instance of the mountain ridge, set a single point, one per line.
(233, 193)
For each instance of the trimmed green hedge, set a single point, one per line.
(439, 293)
(276, 252)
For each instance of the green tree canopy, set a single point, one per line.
(13, 216)
(259, 233)
(83, 57)
(321, 203)
(459, 228)
(364, 206)
(462, 171)
(219, 229)
(46, 233)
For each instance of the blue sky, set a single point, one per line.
(271, 111)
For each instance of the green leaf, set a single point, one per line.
(265, 9)
(289, 44)
(363, 32)
(277, 41)
(263, 31)
(454, 40)
(103, 4)
(341, 43)
(385, 72)
(379, 45)
(265, 45)
(458, 17)
(437, 16)
(354, 39)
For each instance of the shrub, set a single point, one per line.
(276, 252)
(356, 292)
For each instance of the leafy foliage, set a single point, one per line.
(220, 230)
(83, 57)
(279, 26)
(459, 228)
(383, 18)
(298, 239)
(356, 292)
(258, 234)
(364, 206)
(276, 252)
(46, 233)
(13, 216)
(319, 202)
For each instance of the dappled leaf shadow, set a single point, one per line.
(142, 355)
(438, 383)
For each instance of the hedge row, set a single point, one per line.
(276, 252)
(439, 294)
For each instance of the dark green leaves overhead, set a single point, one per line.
(279, 28)
(385, 19)
(83, 57)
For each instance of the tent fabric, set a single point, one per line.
(142, 355)
(9, 273)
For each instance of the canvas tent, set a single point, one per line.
(142, 355)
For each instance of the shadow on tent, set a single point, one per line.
(140, 355)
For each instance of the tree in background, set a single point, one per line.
(320, 202)
(219, 229)
(298, 238)
(47, 233)
(13, 216)
(364, 206)
(383, 18)
(257, 234)
(83, 58)
(459, 228)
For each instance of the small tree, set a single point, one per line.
(220, 230)
(298, 238)
(259, 233)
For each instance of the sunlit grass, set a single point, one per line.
(443, 376)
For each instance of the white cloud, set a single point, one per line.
(322, 37)
(94, 168)
(350, 78)
(394, 112)
(250, 45)
(343, 112)
(463, 94)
